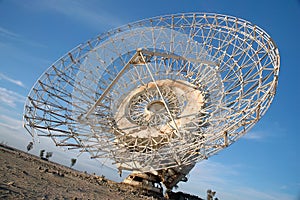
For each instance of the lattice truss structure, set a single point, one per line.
(158, 93)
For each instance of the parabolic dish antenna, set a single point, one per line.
(160, 94)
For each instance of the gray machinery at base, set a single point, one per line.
(158, 95)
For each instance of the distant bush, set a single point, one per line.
(29, 146)
(73, 161)
(48, 155)
(211, 194)
(42, 153)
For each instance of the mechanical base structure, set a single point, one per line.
(152, 182)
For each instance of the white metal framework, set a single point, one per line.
(158, 93)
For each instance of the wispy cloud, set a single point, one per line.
(14, 81)
(255, 135)
(11, 123)
(7, 33)
(210, 175)
(8, 36)
(10, 98)
(265, 133)
(12, 132)
(251, 193)
(81, 11)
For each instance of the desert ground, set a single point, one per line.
(24, 176)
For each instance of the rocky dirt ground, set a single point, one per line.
(24, 176)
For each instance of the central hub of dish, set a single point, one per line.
(155, 107)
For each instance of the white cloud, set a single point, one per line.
(14, 81)
(12, 132)
(255, 135)
(266, 132)
(10, 98)
(10, 123)
(11, 126)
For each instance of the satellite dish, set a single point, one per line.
(158, 95)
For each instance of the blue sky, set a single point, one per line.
(263, 165)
